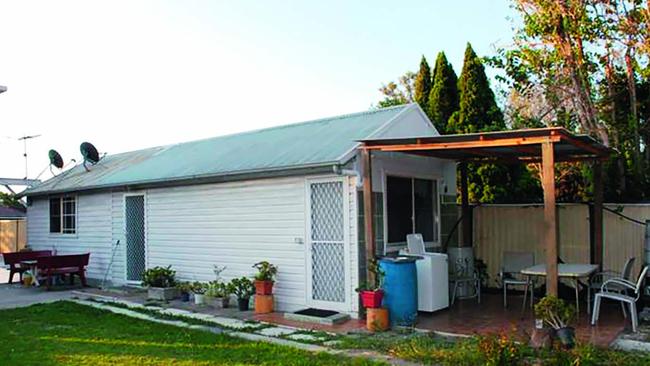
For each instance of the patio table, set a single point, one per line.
(567, 270)
(33, 269)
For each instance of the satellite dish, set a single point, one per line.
(89, 152)
(55, 158)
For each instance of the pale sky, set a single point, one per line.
(132, 74)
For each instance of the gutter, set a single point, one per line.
(321, 168)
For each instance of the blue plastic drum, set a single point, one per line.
(400, 289)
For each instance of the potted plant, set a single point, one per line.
(558, 315)
(225, 290)
(243, 288)
(161, 282)
(372, 294)
(265, 277)
(212, 293)
(184, 288)
(199, 289)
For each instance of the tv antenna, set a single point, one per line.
(24, 140)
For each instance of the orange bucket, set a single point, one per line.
(376, 319)
(263, 304)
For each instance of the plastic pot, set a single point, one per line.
(372, 299)
(377, 319)
(567, 336)
(225, 302)
(185, 296)
(263, 287)
(242, 304)
(199, 299)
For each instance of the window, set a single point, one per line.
(412, 207)
(63, 215)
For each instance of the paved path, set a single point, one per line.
(14, 296)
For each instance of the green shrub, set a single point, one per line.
(159, 277)
(265, 271)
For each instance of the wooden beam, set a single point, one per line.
(465, 144)
(550, 217)
(368, 214)
(465, 211)
(598, 213)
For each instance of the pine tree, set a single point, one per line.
(443, 99)
(478, 110)
(423, 85)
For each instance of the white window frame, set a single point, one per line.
(62, 230)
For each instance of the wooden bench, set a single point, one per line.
(13, 259)
(73, 264)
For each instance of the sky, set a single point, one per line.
(126, 75)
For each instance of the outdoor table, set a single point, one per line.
(567, 270)
(33, 269)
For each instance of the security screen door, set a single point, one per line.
(327, 245)
(135, 237)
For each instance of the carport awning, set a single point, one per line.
(516, 145)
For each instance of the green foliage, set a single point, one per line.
(265, 271)
(242, 287)
(397, 93)
(219, 289)
(10, 200)
(443, 99)
(184, 287)
(65, 333)
(199, 287)
(423, 85)
(379, 274)
(478, 110)
(159, 277)
(555, 312)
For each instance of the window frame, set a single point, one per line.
(62, 215)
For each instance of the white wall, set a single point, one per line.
(93, 231)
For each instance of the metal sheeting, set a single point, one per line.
(624, 238)
(500, 228)
(302, 145)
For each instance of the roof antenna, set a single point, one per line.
(90, 154)
(24, 139)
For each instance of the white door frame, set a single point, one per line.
(338, 306)
(126, 244)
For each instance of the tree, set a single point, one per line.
(10, 200)
(423, 85)
(397, 93)
(478, 110)
(443, 99)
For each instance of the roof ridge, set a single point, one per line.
(293, 124)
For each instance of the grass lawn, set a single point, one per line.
(65, 333)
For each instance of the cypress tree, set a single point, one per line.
(478, 110)
(423, 85)
(443, 99)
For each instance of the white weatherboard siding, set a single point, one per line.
(93, 231)
(235, 225)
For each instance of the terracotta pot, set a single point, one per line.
(263, 304)
(263, 287)
(377, 319)
(372, 299)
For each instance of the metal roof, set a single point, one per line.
(317, 143)
(514, 145)
(7, 212)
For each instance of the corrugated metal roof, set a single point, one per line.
(300, 145)
(7, 212)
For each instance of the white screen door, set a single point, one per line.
(134, 224)
(327, 245)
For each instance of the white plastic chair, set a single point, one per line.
(615, 294)
(511, 266)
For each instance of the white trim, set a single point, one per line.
(146, 235)
(61, 234)
(345, 306)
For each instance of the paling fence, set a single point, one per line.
(12, 235)
(500, 228)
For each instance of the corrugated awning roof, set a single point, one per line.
(303, 145)
(516, 145)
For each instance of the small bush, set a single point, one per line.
(159, 277)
